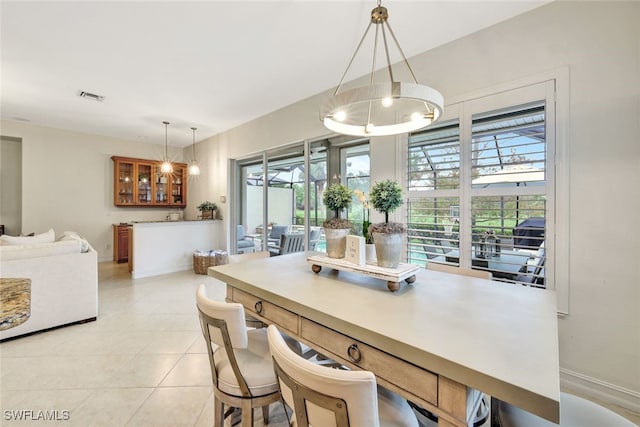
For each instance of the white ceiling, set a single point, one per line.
(209, 64)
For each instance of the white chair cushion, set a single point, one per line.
(254, 363)
(574, 412)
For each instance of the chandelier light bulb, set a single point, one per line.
(387, 102)
(340, 116)
(166, 166)
(369, 128)
(416, 116)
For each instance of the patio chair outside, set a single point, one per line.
(289, 243)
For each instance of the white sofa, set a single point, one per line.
(64, 282)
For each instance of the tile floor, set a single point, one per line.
(142, 363)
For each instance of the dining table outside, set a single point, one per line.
(506, 265)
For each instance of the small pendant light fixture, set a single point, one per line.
(387, 108)
(194, 169)
(166, 167)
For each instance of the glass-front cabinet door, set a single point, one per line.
(161, 186)
(144, 183)
(124, 176)
(177, 185)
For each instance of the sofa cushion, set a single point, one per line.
(48, 237)
(15, 252)
(72, 235)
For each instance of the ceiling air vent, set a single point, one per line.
(92, 96)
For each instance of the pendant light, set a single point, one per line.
(166, 167)
(194, 169)
(385, 108)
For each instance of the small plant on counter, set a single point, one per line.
(208, 209)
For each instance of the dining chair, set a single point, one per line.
(241, 368)
(327, 397)
(574, 412)
(446, 268)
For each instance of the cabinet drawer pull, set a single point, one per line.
(354, 353)
(258, 307)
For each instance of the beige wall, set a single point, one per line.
(67, 177)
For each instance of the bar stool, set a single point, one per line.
(574, 412)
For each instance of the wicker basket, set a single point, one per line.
(203, 260)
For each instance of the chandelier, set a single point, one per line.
(381, 108)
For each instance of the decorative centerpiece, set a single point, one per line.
(385, 197)
(337, 197)
(208, 209)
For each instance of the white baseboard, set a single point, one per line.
(601, 390)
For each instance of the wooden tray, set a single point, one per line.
(393, 276)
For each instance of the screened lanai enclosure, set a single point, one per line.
(468, 193)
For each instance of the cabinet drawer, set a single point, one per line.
(265, 310)
(398, 372)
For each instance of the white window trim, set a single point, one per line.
(557, 167)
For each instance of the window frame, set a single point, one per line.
(555, 87)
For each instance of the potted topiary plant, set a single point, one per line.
(385, 197)
(337, 197)
(208, 209)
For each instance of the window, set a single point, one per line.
(481, 188)
(295, 183)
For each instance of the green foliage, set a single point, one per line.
(337, 197)
(207, 206)
(385, 197)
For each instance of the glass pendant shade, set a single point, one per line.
(382, 108)
(166, 166)
(194, 169)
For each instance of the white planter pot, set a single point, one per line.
(388, 249)
(336, 241)
(370, 250)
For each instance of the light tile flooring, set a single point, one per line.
(142, 363)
